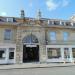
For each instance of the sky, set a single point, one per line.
(53, 9)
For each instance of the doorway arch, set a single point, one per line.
(30, 49)
(30, 39)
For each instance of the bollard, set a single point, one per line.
(73, 61)
(64, 62)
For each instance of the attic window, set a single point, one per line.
(9, 19)
(56, 22)
(68, 23)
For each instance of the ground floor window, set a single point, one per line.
(53, 53)
(2, 54)
(11, 53)
(73, 52)
(66, 53)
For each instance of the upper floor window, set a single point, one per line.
(52, 36)
(7, 34)
(65, 36)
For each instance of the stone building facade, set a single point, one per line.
(42, 40)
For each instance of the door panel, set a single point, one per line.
(30, 54)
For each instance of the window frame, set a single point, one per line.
(11, 56)
(4, 51)
(65, 36)
(11, 50)
(58, 53)
(66, 53)
(7, 34)
(73, 52)
(52, 35)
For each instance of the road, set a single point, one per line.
(40, 71)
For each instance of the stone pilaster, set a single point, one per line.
(18, 46)
(42, 53)
(42, 46)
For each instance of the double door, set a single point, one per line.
(30, 53)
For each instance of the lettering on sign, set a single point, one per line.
(30, 45)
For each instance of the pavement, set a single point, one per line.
(35, 65)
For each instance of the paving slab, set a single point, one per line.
(35, 65)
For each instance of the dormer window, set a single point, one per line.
(73, 24)
(9, 19)
(62, 23)
(56, 22)
(68, 23)
(50, 22)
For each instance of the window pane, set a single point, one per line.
(1, 54)
(65, 36)
(52, 35)
(9, 19)
(56, 22)
(66, 53)
(7, 34)
(11, 55)
(73, 52)
(53, 53)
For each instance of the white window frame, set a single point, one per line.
(9, 19)
(52, 36)
(7, 34)
(65, 36)
(4, 54)
(51, 49)
(11, 50)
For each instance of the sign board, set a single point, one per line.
(31, 45)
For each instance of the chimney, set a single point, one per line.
(22, 14)
(38, 14)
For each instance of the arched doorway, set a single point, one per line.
(30, 49)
